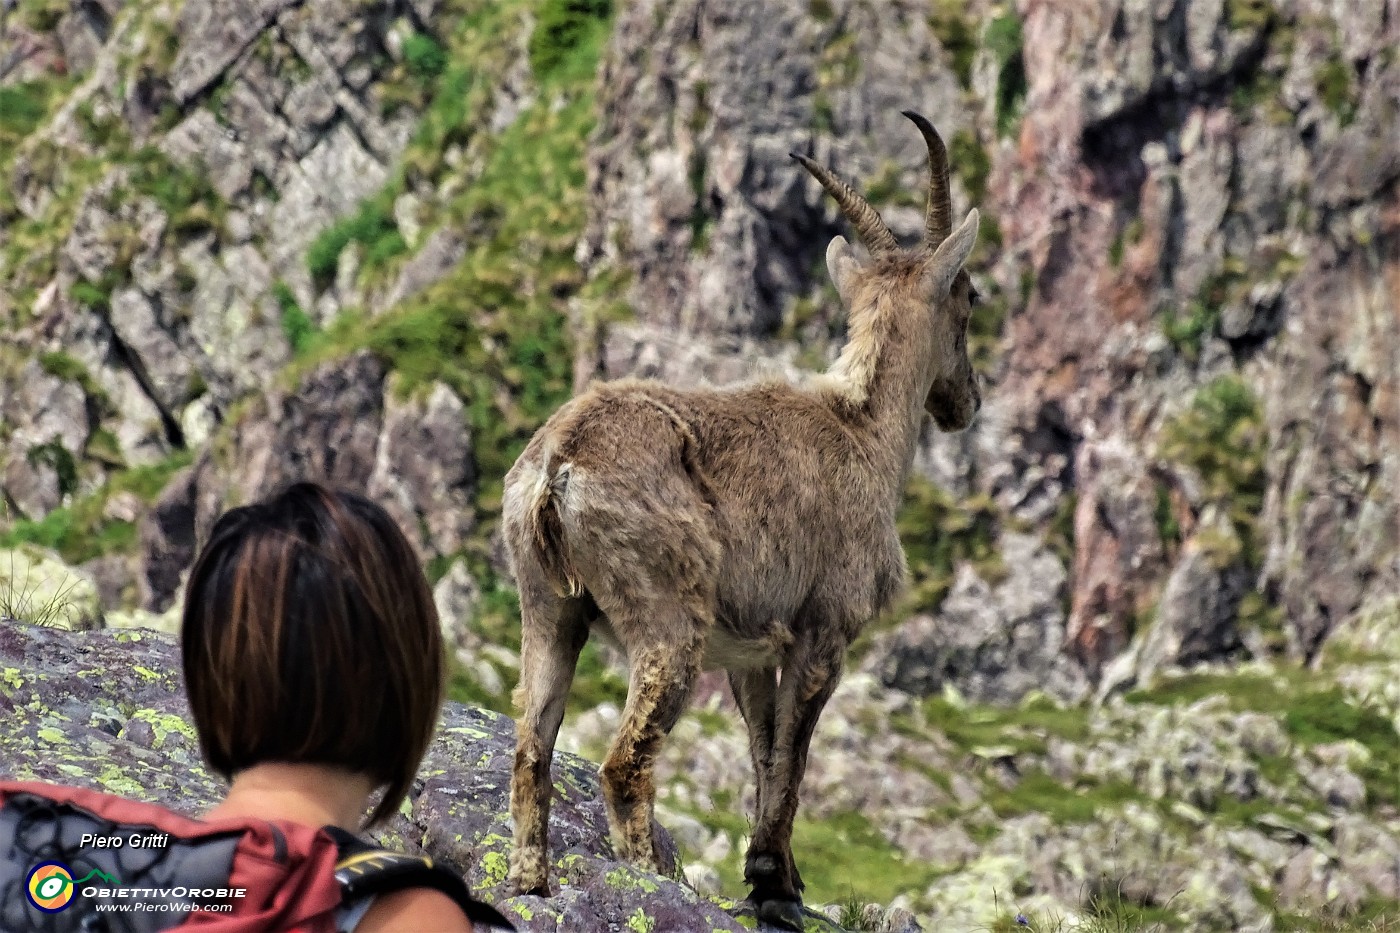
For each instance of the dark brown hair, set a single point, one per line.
(310, 635)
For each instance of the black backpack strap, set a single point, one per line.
(364, 869)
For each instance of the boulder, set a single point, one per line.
(107, 710)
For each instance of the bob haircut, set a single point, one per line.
(310, 636)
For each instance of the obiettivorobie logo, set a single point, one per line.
(50, 885)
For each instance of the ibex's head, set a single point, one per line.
(928, 277)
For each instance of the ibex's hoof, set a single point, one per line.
(518, 886)
(785, 914)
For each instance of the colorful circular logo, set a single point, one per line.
(50, 886)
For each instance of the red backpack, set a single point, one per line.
(80, 860)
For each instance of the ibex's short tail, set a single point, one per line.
(545, 529)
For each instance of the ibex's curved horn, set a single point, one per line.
(938, 223)
(872, 230)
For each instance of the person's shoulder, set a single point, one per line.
(415, 910)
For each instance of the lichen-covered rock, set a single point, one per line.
(107, 710)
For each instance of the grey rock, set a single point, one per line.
(424, 471)
(456, 597)
(48, 422)
(443, 249)
(167, 535)
(210, 41)
(158, 360)
(1196, 616)
(458, 809)
(993, 643)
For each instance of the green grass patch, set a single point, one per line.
(79, 532)
(297, 325)
(595, 681)
(1222, 436)
(1026, 728)
(938, 533)
(1244, 691)
(562, 28)
(462, 687)
(372, 226)
(970, 160)
(1328, 715)
(955, 32)
(1003, 39)
(186, 194)
(1038, 792)
(846, 853)
(23, 107)
(424, 56)
(1336, 87)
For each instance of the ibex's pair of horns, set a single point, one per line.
(872, 230)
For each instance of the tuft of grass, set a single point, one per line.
(424, 56)
(297, 325)
(372, 226)
(19, 600)
(971, 162)
(1003, 39)
(1250, 14)
(53, 454)
(563, 27)
(950, 24)
(939, 533)
(1221, 435)
(1336, 87)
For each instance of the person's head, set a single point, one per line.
(310, 636)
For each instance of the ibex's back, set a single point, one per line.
(749, 527)
(757, 499)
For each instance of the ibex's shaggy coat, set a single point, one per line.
(750, 528)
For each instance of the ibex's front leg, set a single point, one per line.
(807, 683)
(552, 634)
(661, 679)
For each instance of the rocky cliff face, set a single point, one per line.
(1191, 255)
(1194, 267)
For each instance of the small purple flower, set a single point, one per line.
(1022, 920)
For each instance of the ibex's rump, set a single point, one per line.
(748, 528)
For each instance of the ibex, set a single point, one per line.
(749, 528)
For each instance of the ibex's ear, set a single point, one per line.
(842, 265)
(948, 259)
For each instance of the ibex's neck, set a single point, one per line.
(885, 373)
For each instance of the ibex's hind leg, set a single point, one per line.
(807, 683)
(755, 693)
(662, 676)
(553, 631)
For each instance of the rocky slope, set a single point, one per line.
(380, 240)
(107, 710)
